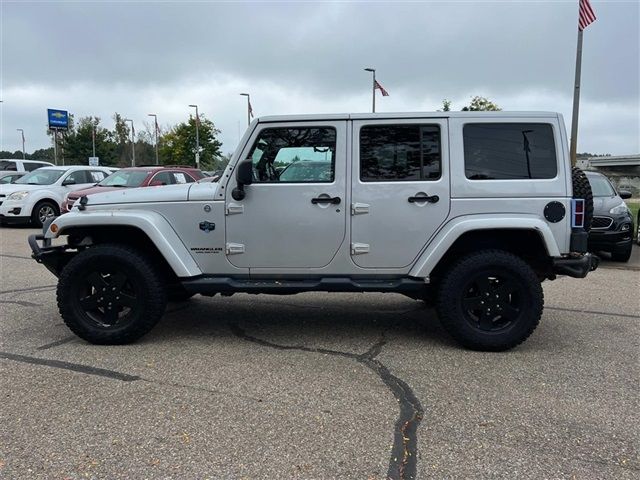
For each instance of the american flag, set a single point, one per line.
(382, 90)
(250, 110)
(157, 126)
(587, 16)
(22, 133)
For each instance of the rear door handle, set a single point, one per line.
(334, 200)
(424, 198)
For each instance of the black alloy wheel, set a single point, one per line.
(490, 300)
(111, 294)
(493, 301)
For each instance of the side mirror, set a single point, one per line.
(244, 176)
(69, 181)
(624, 194)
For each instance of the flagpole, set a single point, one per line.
(374, 92)
(576, 102)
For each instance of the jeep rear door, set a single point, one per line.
(400, 189)
(293, 214)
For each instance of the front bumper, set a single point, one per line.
(608, 241)
(576, 267)
(14, 212)
(54, 258)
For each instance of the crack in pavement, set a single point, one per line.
(15, 256)
(29, 289)
(22, 303)
(74, 367)
(594, 312)
(404, 459)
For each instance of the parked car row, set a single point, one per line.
(33, 197)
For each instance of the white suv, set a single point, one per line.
(38, 195)
(13, 165)
(470, 210)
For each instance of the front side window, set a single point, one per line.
(163, 178)
(400, 153)
(294, 155)
(78, 177)
(509, 151)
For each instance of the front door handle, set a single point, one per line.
(424, 198)
(334, 200)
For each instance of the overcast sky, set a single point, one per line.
(96, 58)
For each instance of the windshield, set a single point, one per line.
(125, 178)
(41, 177)
(302, 171)
(600, 186)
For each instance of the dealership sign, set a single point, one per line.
(58, 119)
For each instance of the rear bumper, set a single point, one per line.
(576, 267)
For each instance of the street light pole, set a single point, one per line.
(155, 128)
(22, 133)
(133, 143)
(373, 102)
(248, 107)
(93, 139)
(197, 136)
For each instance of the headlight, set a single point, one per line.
(17, 195)
(620, 209)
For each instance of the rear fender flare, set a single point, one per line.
(452, 230)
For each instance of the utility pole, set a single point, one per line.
(155, 128)
(22, 134)
(93, 138)
(133, 142)
(249, 109)
(373, 101)
(197, 136)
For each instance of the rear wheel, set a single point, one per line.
(110, 295)
(43, 211)
(491, 300)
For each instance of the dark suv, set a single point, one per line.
(133, 177)
(612, 226)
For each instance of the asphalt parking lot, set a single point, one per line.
(363, 386)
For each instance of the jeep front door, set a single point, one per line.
(400, 189)
(293, 214)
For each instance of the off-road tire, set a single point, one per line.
(37, 211)
(622, 256)
(510, 272)
(142, 287)
(582, 189)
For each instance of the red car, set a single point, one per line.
(133, 177)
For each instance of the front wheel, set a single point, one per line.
(491, 300)
(110, 295)
(42, 212)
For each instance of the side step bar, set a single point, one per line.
(211, 285)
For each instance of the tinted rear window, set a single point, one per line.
(509, 151)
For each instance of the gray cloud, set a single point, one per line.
(104, 57)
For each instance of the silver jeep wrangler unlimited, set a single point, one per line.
(469, 210)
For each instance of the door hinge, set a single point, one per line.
(234, 248)
(359, 208)
(359, 248)
(234, 208)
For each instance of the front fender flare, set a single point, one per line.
(458, 226)
(154, 225)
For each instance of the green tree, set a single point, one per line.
(122, 138)
(79, 143)
(446, 105)
(178, 145)
(481, 104)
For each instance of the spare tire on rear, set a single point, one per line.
(582, 190)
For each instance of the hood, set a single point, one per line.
(602, 205)
(168, 193)
(91, 191)
(8, 189)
